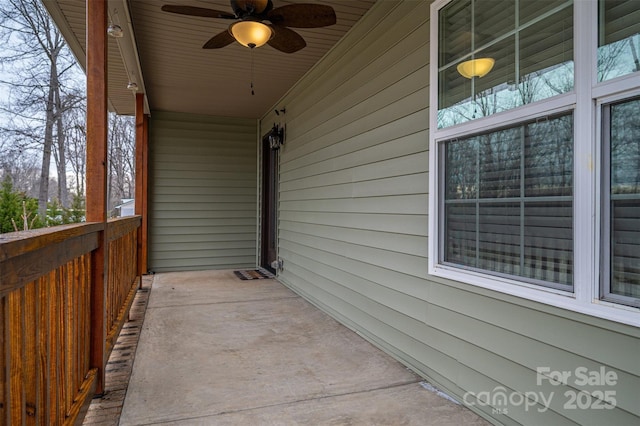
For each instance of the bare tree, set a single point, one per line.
(121, 155)
(73, 111)
(33, 44)
(43, 116)
(609, 57)
(22, 169)
(76, 147)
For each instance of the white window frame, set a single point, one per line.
(585, 101)
(600, 104)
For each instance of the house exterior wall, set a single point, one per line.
(202, 192)
(353, 203)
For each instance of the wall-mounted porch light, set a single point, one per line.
(476, 67)
(132, 86)
(276, 136)
(251, 33)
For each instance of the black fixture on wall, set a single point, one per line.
(276, 136)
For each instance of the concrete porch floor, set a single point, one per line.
(218, 350)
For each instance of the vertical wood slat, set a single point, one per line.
(4, 349)
(122, 281)
(16, 357)
(44, 352)
(74, 327)
(79, 369)
(30, 334)
(54, 343)
(86, 318)
(68, 292)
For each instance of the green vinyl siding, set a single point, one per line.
(353, 234)
(202, 192)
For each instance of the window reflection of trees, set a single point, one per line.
(619, 58)
(508, 201)
(549, 158)
(625, 148)
(491, 165)
(461, 179)
(533, 87)
(625, 199)
(619, 38)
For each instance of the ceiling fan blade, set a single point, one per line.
(220, 40)
(303, 15)
(286, 40)
(197, 11)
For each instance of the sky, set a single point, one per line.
(11, 73)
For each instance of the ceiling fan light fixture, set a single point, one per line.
(251, 33)
(476, 67)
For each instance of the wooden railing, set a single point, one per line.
(46, 376)
(123, 279)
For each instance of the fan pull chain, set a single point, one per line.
(252, 92)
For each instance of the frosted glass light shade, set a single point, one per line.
(476, 67)
(251, 33)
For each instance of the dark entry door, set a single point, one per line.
(269, 203)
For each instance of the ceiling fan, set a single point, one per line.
(249, 29)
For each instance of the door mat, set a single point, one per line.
(253, 274)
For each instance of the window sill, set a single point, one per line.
(557, 298)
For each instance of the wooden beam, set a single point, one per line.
(142, 147)
(16, 244)
(119, 227)
(30, 266)
(96, 201)
(145, 198)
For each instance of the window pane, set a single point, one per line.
(507, 226)
(500, 163)
(625, 199)
(546, 57)
(461, 233)
(619, 38)
(493, 91)
(529, 10)
(453, 97)
(548, 241)
(625, 246)
(549, 158)
(532, 49)
(625, 143)
(455, 31)
(462, 180)
(499, 237)
(493, 19)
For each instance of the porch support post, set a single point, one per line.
(142, 147)
(96, 202)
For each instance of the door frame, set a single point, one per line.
(269, 204)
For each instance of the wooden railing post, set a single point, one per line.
(145, 195)
(96, 202)
(141, 181)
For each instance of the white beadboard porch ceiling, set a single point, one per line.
(178, 75)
